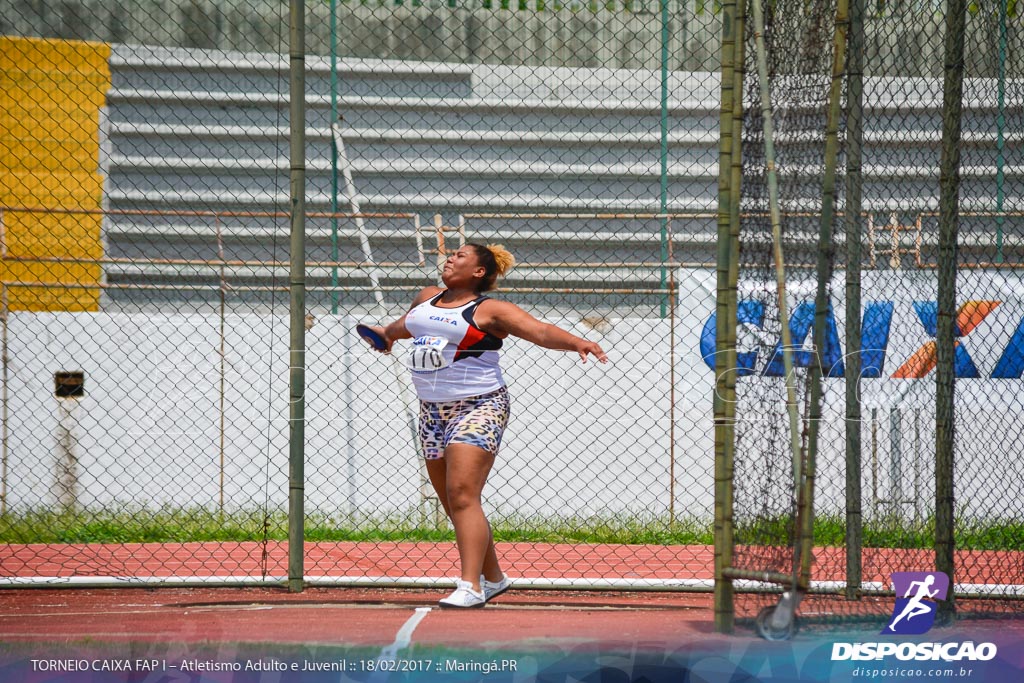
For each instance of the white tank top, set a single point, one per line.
(451, 358)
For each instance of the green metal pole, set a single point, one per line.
(297, 296)
(334, 156)
(1000, 127)
(853, 360)
(826, 250)
(776, 222)
(724, 326)
(949, 217)
(664, 147)
(739, 71)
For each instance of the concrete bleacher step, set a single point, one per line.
(207, 130)
(194, 129)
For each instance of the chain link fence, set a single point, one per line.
(170, 459)
(145, 283)
(902, 296)
(879, 480)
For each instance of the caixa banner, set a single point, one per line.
(899, 323)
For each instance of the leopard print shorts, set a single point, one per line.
(479, 421)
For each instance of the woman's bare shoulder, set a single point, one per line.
(425, 294)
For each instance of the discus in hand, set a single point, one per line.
(372, 337)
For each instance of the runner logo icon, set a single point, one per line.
(916, 596)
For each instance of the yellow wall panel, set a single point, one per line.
(55, 273)
(35, 234)
(74, 295)
(47, 155)
(67, 90)
(51, 92)
(52, 190)
(73, 128)
(23, 54)
(52, 101)
(56, 298)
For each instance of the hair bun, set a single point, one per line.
(502, 257)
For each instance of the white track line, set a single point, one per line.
(404, 635)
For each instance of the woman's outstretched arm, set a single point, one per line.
(503, 318)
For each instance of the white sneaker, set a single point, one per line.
(493, 589)
(463, 597)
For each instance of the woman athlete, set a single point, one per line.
(464, 406)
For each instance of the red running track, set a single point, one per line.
(386, 559)
(373, 616)
(440, 560)
(349, 616)
(361, 617)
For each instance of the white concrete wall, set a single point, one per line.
(584, 439)
(590, 438)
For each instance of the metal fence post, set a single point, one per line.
(853, 360)
(949, 191)
(724, 380)
(297, 298)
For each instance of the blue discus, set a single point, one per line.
(374, 338)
